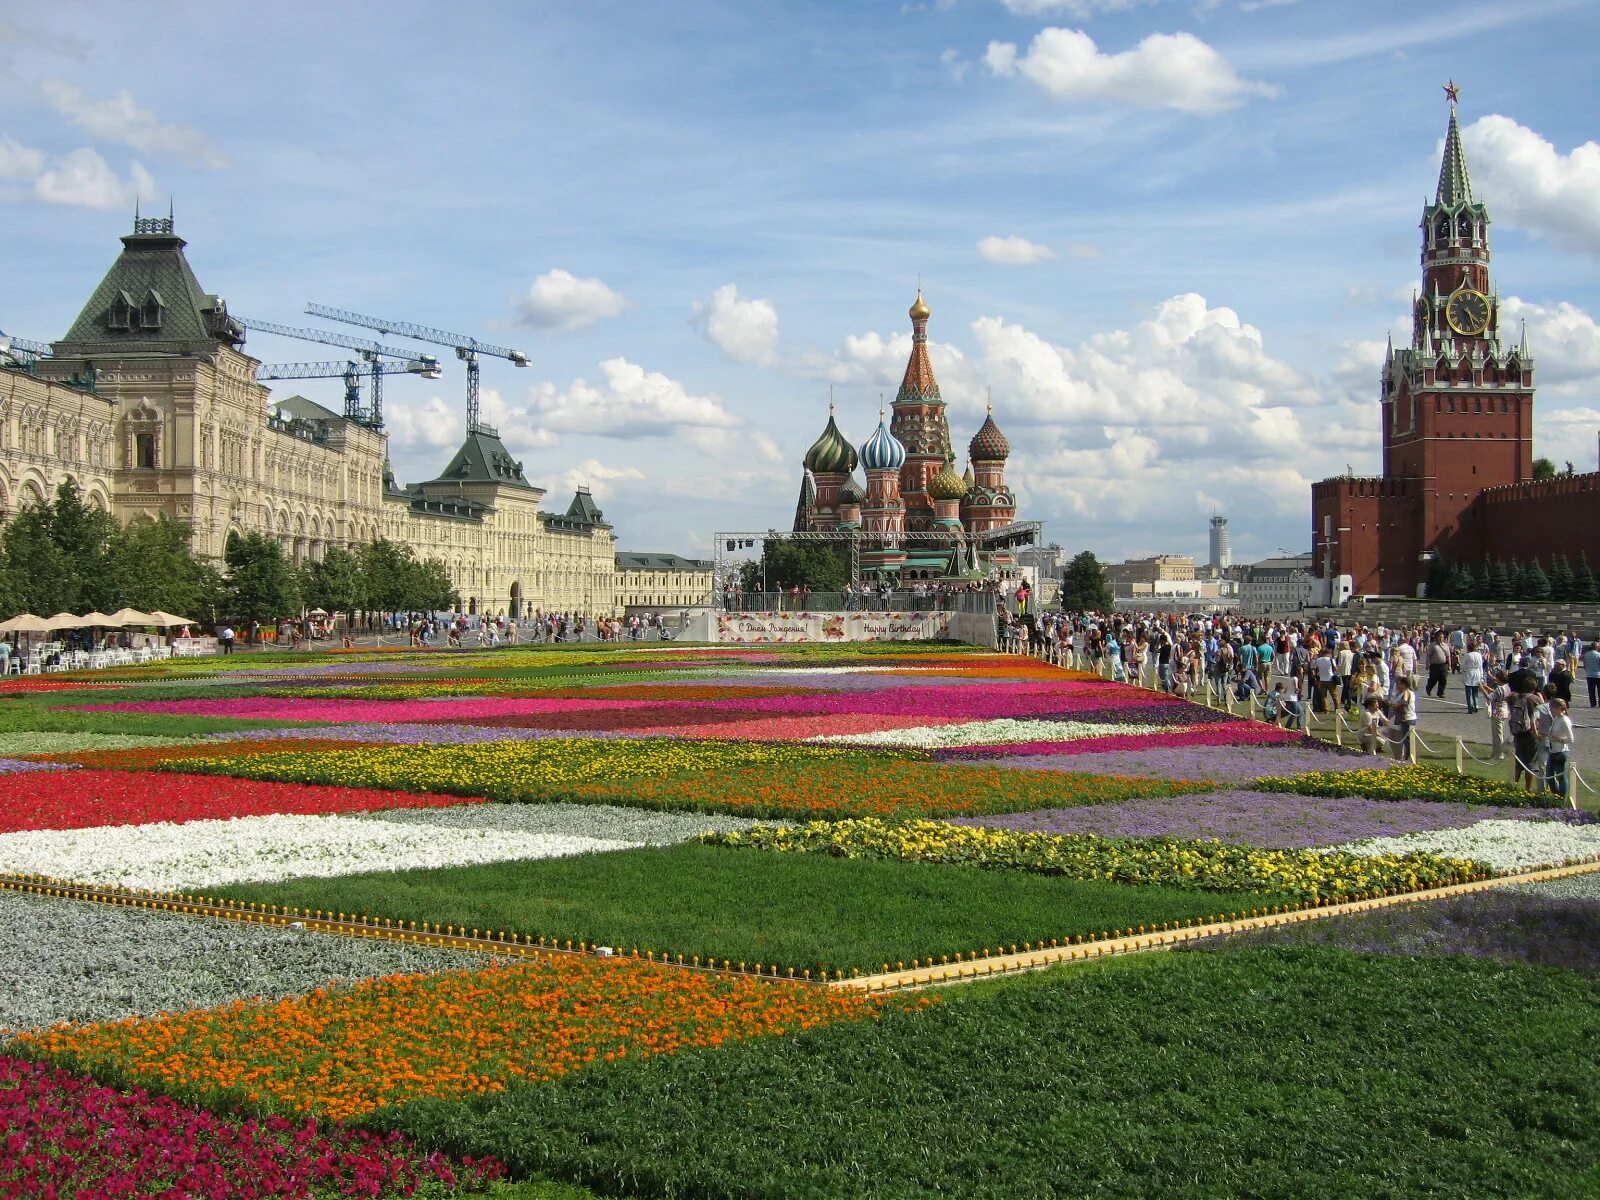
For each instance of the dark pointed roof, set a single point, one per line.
(1455, 187)
(483, 458)
(583, 508)
(918, 386)
(150, 299)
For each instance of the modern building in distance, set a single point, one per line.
(151, 406)
(1275, 585)
(1221, 556)
(662, 582)
(1457, 423)
(1138, 576)
(911, 483)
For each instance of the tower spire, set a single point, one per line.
(1455, 187)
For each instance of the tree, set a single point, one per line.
(58, 555)
(820, 566)
(1561, 579)
(1517, 583)
(1439, 575)
(155, 566)
(1500, 581)
(1083, 585)
(1543, 468)
(386, 575)
(334, 583)
(260, 585)
(1485, 588)
(1535, 583)
(429, 586)
(1584, 586)
(1463, 584)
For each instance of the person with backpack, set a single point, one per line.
(1524, 735)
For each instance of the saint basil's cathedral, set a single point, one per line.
(912, 485)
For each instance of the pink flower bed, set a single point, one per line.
(340, 712)
(975, 703)
(1240, 734)
(789, 729)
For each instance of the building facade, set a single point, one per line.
(151, 405)
(1220, 547)
(1275, 585)
(1143, 573)
(911, 484)
(1456, 407)
(660, 582)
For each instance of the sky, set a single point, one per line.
(1165, 238)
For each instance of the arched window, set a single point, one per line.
(1464, 227)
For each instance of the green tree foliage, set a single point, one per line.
(1584, 586)
(394, 580)
(1500, 581)
(1543, 468)
(1463, 584)
(1484, 588)
(335, 583)
(1083, 585)
(820, 566)
(159, 569)
(1438, 578)
(1518, 585)
(261, 585)
(1535, 583)
(1561, 578)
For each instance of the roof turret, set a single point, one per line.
(989, 444)
(1455, 186)
(947, 485)
(883, 450)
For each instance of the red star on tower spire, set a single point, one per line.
(1451, 90)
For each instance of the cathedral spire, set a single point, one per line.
(1455, 187)
(919, 386)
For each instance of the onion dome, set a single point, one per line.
(989, 444)
(851, 492)
(831, 454)
(966, 477)
(919, 308)
(947, 485)
(883, 450)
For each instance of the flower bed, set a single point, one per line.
(464, 1033)
(1505, 845)
(340, 711)
(205, 854)
(1252, 818)
(64, 1135)
(1310, 876)
(1225, 764)
(1240, 733)
(1407, 783)
(988, 733)
(81, 799)
(66, 960)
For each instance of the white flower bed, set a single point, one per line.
(987, 733)
(198, 854)
(1504, 845)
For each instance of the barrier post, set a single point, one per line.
(1338, 728)
(1572, 795)
(1411, 745)
(1460, 746)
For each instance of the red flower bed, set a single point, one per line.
(86, 799)
(32, 683)
(62, 1135)
(1240, 733)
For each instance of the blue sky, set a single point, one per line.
(1168, 238)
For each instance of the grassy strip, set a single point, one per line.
(34, 715)
(752, 779)
(1308, 875)
(806, 911)
(1252, 1074)
(1407, 783)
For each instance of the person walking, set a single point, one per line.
(225, 637)
(1472, 675)
(1405, 716)
(1591, 673)
(1524, 735)
(1438, 659)
(1558, 737)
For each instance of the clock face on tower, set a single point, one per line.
(1468, 312)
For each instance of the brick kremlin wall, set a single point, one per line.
(1554, 617)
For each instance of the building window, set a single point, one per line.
(145, 450)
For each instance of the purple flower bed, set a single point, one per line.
(1146, 714)
(1503, 924)
(413, 735)
(1225, 764)
(12, 766)
(1275, 820)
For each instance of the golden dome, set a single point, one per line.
(947, 485)
(919, 309)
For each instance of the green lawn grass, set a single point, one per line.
(36, 714)
(1249, 1074)
(805, 911)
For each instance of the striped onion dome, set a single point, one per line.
(831, 454)
(883, 450)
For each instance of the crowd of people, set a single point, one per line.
(884, 595)
(1522, 681)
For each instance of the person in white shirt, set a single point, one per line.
(1472, 676)
(1558, 736)
(1405, 716)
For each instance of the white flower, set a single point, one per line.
(1504, 845)
(987, 733)
(195, 854)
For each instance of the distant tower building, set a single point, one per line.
(1221, 549)
(883, 514)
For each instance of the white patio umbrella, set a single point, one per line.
(64, 620)
(96, 620)
(167, 621)
(25, 623)
(124, 617)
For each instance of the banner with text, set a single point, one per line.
(750, 627)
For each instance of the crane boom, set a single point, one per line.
(370, 353)
(24, 346)
(467, 348)
(426, 366)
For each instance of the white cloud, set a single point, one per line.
(18, 161)
(631, 402)
(957, 66)
(561, 301)
(1165, 70)
(83, 179)
(1081, 9)
(1565, 342)
(1083, 250)
(746, 331)
(1530, 184)
(119, 119)
(432, 424)
(600, 479)
(1014, 251)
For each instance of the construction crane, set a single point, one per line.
(467, 349)
(350, 372)
(22, 350)
(370, 352)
